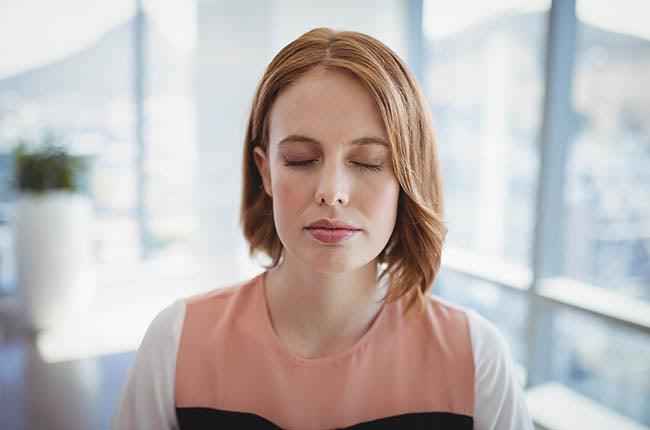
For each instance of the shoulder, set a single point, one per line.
(158, 348)
(486, 339)
(439, 310)
(499, 397)
(447, 322)
(166, 324)
(449, 334)
(152, 371)
(217, 308)
(498, 393)
(489, 345)
(224, 294)
(488, 342)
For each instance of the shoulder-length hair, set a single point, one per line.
(411, 257)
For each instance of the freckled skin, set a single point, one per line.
(334, 108)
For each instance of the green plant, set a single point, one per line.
(48, 167)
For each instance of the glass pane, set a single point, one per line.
(504, 308)
(607, 193)
(484, 81)
(170, 142)
(77, 75)
(70, 72)
(606, 363)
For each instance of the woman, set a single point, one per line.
(343, 191)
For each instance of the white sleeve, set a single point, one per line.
(147, 397)
(499, 398)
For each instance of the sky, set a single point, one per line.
(30, 37)
(36, 32)
(442, 17)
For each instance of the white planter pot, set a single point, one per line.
(53, 245)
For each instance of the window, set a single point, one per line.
(606, 198)
(484, 79)
(116, 81)
(541, 114)
(604, 362)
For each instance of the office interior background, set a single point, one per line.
(542, 117)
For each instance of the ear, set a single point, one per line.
(262, 162)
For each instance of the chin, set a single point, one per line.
(333, 261)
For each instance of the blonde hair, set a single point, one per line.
(413, 252)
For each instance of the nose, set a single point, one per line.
(332, 186)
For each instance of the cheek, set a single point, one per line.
(381, 204)
(288, 198)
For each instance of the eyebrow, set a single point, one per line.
(297, 138)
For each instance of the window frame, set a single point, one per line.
(545, 288)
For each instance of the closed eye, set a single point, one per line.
(362, 166)
(299, 163)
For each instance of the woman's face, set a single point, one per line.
(329, 158)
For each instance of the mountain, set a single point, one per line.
(102, 69)
(531, 30)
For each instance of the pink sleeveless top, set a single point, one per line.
(405, 372)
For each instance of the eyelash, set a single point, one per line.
(365, 167)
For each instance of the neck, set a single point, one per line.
(320, 313)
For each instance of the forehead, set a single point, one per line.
(325, 106)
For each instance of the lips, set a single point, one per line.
(332, 235)
(332, 224)
(332, 230)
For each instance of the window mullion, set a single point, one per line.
(139, 70)
(554, 137)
